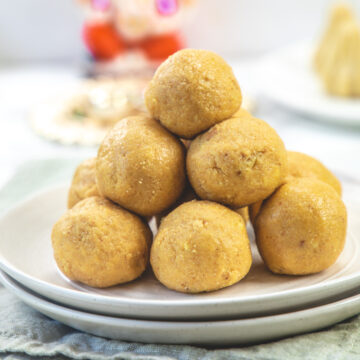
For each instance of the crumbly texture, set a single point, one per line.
(301, 228)
(141, 166)
(187, 195)
(254, 210)
(191, 91)
(237, 162)
(241, 112)
(201, 246)
(100, 244)
(301, 165)
(83, 184)
(244, 212)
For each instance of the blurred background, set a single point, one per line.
(47, 47)
(42, 30)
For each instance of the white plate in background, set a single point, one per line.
(287, 77)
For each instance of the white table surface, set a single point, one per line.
(23, 86)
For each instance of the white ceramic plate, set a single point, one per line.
(212, 333)
(288, 78)
(26, 255)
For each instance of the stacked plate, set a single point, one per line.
(261, 307)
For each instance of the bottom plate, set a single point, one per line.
(212, 333)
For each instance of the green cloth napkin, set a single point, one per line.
(27, 334)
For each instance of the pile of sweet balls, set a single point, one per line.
(197, 162)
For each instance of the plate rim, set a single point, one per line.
(329, 309)
(26, 279)
(21, 288)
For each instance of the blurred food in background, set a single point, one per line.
(88, 111)
(133, 36)
(86, 114)
(337, 59)
(319, 79)
(104, 101)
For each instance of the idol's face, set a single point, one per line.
(137, 19)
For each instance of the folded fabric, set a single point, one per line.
(25, 331)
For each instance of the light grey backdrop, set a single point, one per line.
(50, 30)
